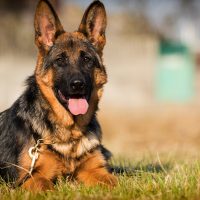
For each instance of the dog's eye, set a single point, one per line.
(87, 59)
(59, 61)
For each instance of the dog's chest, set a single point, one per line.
(77, 148)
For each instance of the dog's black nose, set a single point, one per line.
(77, 85)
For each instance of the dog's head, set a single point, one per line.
(70, 64)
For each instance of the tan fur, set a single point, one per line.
(76, 151)
(92, 171)
(48, 166)
(45, 82)
(100, 78)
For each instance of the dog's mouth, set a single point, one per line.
(76, 104)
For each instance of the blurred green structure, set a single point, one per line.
(175, 73)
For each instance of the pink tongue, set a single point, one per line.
(78, 106)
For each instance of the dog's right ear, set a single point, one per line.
(47, 25)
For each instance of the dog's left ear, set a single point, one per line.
(47, 25)
(93, 25)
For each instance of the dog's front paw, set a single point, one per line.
(109, 180)
(97, 177)
(38, 184)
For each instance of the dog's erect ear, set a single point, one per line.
(47, 25)
(94, 23)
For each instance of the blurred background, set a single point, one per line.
(151, 103)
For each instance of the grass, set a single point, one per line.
(171, 178)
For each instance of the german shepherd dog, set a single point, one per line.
(52, 131)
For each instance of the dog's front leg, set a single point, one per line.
(93, 171)
(48, 168)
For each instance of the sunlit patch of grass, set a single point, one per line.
(167, 179)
